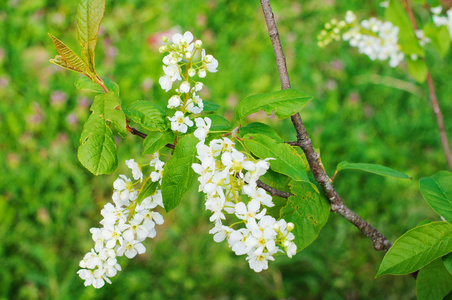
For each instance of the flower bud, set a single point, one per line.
(198, 86)
(185, 87)
(173, 60)
(208, 58)
(290, 226)
(276, 227)
(202, 73)
(188, 55)
(198, 44)
(164, 39)
(162, 49)
(191, 72)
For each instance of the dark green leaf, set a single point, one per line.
(178, 173)
(433, 281)
(148, 115)
(97, 151)
(219, 123)
(437, 191)
(309, 212)
(147, 189)
(89, 17)
(371, 168)
(287, 161)
(447, 260)
(417, 248)
(210, 106)
(86, 84)
(156, 140)
(107, 107)
(417, 69)
(260, 128)
(285, 103)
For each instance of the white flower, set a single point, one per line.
(259, 262)
(131, 249)
(198, 86)
(203, 126)
(166, 83)
(174, 101)
(184, 87)
(250, 211)
(179, 122)
(136, 169)
(237, 241)
(220, 232)
(202, 73)
(350, 17)
(158, 173)
(436, 10)
(187, 38)
(209, 62)
(259, 194)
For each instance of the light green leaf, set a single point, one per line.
(210, 106)
(97, 150)
(147, 189)
(86, 84)
(417, 69)
(439, 37)
(285, 103)
(178, 172)
(396, 14)
(89, 17)
(67, 58)
(107, 107)
(157, 140)
(287, 161)
(309, 212)
(433, 281)
(447, 260)
(260, 128)
(437, 191)
(148, 115)
(417, 248)
(371, 168)
(219, 123)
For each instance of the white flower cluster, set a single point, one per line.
(441, 20)
(224, 174)
(126, 224)
(182, 64)
(374, 38)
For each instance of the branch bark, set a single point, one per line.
(433, 98)
(144, 135)
(378, 240)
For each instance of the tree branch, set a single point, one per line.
(433, 98)
(273, 191)
(378, 240)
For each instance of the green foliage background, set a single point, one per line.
(361, 113)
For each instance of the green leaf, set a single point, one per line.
(148, 115)
(439, 37)
(287, 160)
(210, 106)
(433, 281)
(97, 151)
(89, 17)
(86, 84)
(67, 58)
(309, 212)
(157, 140)
(105, 106)
(417, 248)
(371, 168)
(396, 14)
(219, 123)
(147, 189)
(447, 260)
(285, 103)
(178, 173)
(417, 69)
(437, 191)
(260, 128)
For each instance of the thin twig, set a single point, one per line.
(433, 98)
(295, 144)
(378, 240)
(273, 191)
(144, 135)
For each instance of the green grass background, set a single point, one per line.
(361, 113)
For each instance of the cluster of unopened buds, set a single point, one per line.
(229, 179)
(374, 38)
(125, 225)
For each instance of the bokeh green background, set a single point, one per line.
(363, 112)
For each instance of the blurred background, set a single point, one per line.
(363, 111)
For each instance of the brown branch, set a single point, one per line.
(378, 240)
(295, 144)
(273, 191)
(433, 98)
(144, 135)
